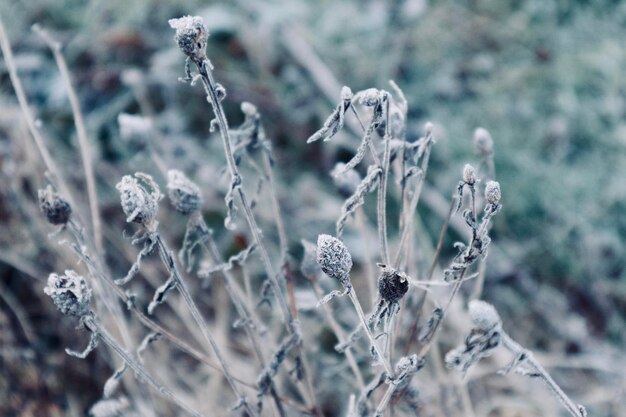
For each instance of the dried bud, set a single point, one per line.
(370, 97)
(484, 316)
(184, 194)
(346, 93)
(136, 130)
(69, 292)
(140, 204)
(249, 109)
(483, 141)
(428, 128)
(56, 209)
(333, 257)
(191, 36)
(492, 192)
(392, 284)
(469, 174)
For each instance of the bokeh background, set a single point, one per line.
(546, 78)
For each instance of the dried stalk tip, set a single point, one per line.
(483, 315)
(184, 194)
(69, 292)
(483, 141)
(392, 284)
(492, 192)
(191, 36)
(333, 257)
(56, 209)
(469, 175)
(140, 203)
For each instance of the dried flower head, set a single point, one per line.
(140, 200)
(69, 292)
(191, 36)
(333, 257)
(483, 315)
(56, 209)
(483, 141)
(469, 174)
(184, 194)
(392, 284)
(492, 192)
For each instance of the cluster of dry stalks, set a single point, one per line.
(260, 341)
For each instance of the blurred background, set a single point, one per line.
(545, 78)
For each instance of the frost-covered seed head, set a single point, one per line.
(392, 284)
(56, 209)
(483, 315)
(333, 257)
(370, 97)
(469, 174)
(184, 194)
(139, 203)
(69, 292)
(136, 130)
(191, 36)
(248, 109)
(483, 141)
(492, 192)
(428, 128)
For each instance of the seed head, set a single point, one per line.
(469, 174)
(191, 36)
(333, 257)
(69, 292)
(184, 194)
(140, 200)
(56, 209)
(484, 316)
(492, 192)
(483, 141)
(392, 284)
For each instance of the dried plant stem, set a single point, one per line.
(81, 132)
(168, 260)
(373, 342)
(339, 334)
(518, 350)
(382, 198)
(30, 118)
(96, 328)
(210, 86)
(148, 322)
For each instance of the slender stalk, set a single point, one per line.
(517, 349)
(29, 116)
(170, 264)
(339, 334)
(95, 327)
(373, 342)
(382, 198)
(204, 68)
(81, 132)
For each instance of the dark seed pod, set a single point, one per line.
(70, 293)
(56, 209)
(392, 284)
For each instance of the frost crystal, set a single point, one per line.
(56, 209)
(483, 315)
(184, 194)
(138, 202)
(333, 257)
(492, 192)
(191, 36)
(69, 293)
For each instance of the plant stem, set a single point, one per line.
(170, 264)
(373, 342)
(517, 349)
(95, 327)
